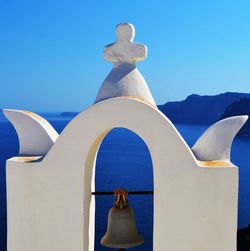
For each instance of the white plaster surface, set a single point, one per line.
(215, 143)
(50, 206)
(125, 79)
(35, 134)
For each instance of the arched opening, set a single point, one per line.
(124, 161)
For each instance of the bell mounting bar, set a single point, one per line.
(129, 193)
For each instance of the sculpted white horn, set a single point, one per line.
(36, 135)
(215, 143)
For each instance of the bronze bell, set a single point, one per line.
(121, 232)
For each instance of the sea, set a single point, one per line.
(124, 161)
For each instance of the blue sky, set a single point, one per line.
(51, 51)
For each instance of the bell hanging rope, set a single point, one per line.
(121, 231)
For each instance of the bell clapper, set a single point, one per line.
(121, 202)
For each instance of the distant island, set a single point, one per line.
(197, 109)
(241, 107)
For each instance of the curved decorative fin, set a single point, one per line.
(36, 135)
(215, 143)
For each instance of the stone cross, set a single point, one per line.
(125, 80)
(124, 50)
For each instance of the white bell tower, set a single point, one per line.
(49, 185)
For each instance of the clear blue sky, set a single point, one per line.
(51, 51)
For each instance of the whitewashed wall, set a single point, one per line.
(195, 206)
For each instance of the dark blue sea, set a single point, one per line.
(124, 161)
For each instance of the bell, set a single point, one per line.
(121, 232)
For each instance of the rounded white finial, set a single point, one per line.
(125, 80)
